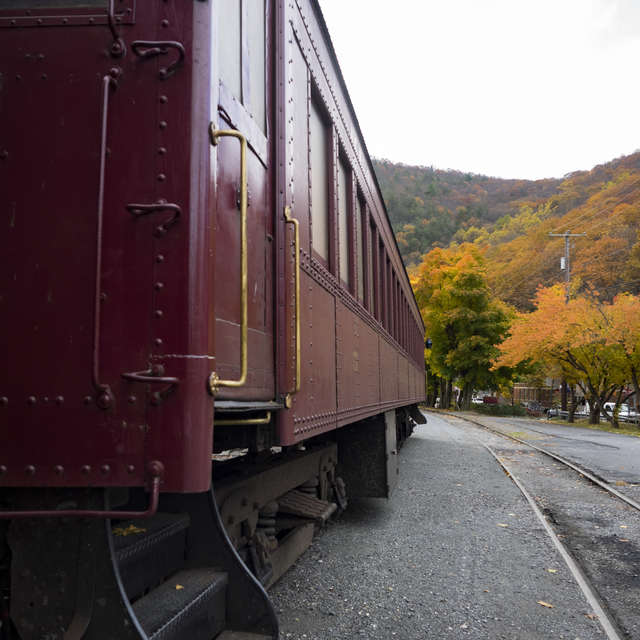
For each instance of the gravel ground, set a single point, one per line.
(602, 533)
(456, 553)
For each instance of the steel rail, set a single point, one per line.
(588, 590)
(583, 472)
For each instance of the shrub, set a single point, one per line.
(499, 409)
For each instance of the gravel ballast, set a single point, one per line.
(601, 532)
(455, 553)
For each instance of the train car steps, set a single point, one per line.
(169, 601)
(149, 550)
(191, 604)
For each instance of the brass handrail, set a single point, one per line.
(296, 227)
(214, 381)
(242, 421)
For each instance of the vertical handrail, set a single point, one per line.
(214, 380)
(105, 397)
(289, 219)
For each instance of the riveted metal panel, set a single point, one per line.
(314, 406)
(58, 259)
(72, 418)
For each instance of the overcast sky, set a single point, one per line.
(507, 88)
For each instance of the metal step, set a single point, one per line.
(191, 604)
(299, 503)
(242, 635)
(149, 550)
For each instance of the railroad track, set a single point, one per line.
(590, 591)
(572, 465)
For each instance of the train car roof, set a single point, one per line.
(325, 32)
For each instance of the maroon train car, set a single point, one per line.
(207, 329)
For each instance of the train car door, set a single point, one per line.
(243, 271)
(75, 291)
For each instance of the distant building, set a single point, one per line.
(523, 393)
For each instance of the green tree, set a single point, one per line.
(463, 321)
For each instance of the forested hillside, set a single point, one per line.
(431, 207)
(509, 221)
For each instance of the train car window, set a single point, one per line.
(242, 54)
(256, 101)
(394, 305)
(384, 268)
(52, 4)
(343, 222)
(319, 151)
(360, 222)
(372, 267)
(389, 294)
(230, 46)
(398, 312)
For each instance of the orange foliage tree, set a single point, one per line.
(593, 344)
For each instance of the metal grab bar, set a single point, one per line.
(118, 48)
(147, 377)
(155, 469)
(226, 422)
(138, 210)
(105, 397)
(214, 380)
(154, 376)
(296, 238)
(150, 48)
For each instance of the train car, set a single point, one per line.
(209, 335)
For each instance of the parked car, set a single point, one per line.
(625, 412)
(533, 407)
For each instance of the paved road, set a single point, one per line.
(456, 553)
(611, 456)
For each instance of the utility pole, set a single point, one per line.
(567, 278)
(567, 263)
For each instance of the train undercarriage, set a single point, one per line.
(200, 566)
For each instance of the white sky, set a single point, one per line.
(507, 88)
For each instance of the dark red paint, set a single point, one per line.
(119, 288)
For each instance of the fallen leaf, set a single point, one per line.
(179, 587)
(545, 604)
(127, 531)
(591, 616)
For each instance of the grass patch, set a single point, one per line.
(523, 435)
(626, 428)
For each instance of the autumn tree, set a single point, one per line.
(462, 320)
(593, 344)
(623, 332)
